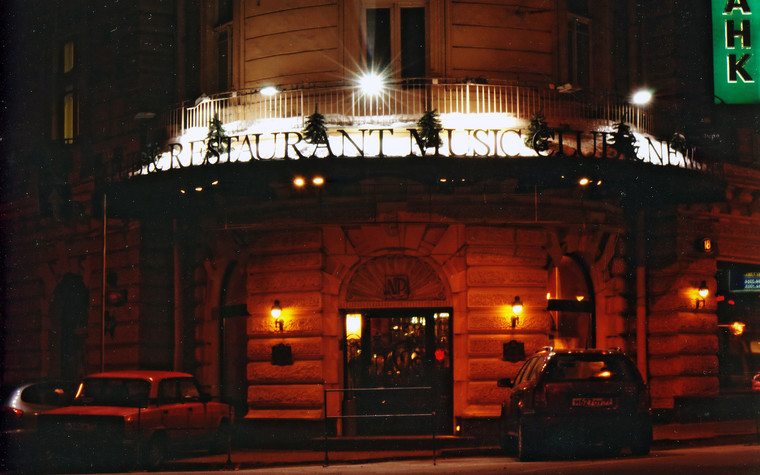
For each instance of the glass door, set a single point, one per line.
(401, 361)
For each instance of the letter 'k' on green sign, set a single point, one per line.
(736, 51)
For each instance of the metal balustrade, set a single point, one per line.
(425, 390)
(406, 101)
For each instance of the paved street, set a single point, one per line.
(733, 459)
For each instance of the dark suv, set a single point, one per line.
(564, 398)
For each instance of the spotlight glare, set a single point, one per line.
(371, 83)
(269, 91)
(642, 97)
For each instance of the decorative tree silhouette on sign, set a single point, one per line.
(624, 141)
(217, 140)
(429, 127)
(315, 131)
(538, 134)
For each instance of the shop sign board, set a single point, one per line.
(736, 51)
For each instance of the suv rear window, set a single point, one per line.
(584, 367)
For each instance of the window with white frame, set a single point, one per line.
(395, 40)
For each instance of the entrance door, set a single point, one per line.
(400, 359)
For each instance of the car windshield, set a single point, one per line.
(113, 392)
(580, 367)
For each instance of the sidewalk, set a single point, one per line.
(665, 436)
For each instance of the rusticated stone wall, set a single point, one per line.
(502, 262)
(682, 339)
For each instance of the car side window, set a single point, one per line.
(167, 392)
(535, 369)
(524, 373)
(188, 390)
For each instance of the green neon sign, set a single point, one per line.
(736, 50)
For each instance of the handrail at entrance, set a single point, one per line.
(431, 414)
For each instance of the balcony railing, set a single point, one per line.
(406, 101)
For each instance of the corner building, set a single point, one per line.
(396, 262)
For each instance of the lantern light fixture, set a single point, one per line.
(703, 291)
(269, 91)
(517, 308)
(276, 314)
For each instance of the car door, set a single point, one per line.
(510, 407)
(174, 414)
(198, 423)
(523, 388)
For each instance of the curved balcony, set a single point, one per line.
(406, 101)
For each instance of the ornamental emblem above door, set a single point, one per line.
(396, 279)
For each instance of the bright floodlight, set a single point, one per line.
(371, 83)
(642, 97)
(269, 90)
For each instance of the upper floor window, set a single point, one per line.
(223, 44)
(395, 40)
(65, 126)
(578, 43)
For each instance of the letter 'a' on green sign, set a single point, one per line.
(736, 51)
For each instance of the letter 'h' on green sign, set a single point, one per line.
(736, 50)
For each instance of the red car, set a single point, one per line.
(118, 415)
(562, 399)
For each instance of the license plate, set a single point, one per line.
(593, 402)
(79, 426)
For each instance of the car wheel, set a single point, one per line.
(221, 441)
(526, 442)
(153, 453)
(642, 442)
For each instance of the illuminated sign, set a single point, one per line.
(736, 50)
(745, 280)
(254, 145)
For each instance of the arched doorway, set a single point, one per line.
(571, 303)
(398, 338)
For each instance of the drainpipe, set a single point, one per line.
(641, 298)
(178, 327)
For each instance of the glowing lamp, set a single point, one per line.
(318, 181)
(371, 84)
(641, 97)
(703, 290)
(737, 328)
(299, 182)
(276, 312)
(353, 326)
(517, 308)
(269, 91)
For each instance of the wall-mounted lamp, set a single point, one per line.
(517, 308)
(276, 314)
(703, 293)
